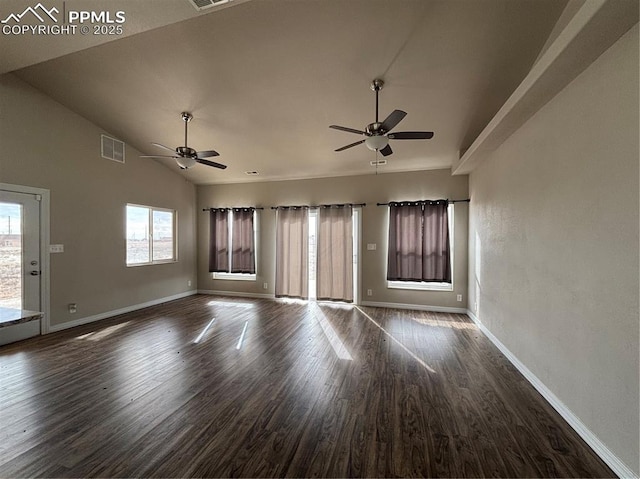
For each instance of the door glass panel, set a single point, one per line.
(11, 255)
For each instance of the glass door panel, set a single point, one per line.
(11, 256)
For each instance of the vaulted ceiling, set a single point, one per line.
(264, 79)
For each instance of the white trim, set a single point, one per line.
(234, 276)
(420, 285)
(414, 307)
(45, 281)
(116, 312)
(618, 467)
(237, 293)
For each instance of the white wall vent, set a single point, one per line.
(204, 4)
(378, 162)
(112, 149)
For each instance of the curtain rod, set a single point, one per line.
(337, 205)
(425, 201)
(234, 208)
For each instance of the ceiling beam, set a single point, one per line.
(594, 27)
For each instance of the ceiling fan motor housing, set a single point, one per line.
(185, 151)
(375, 129)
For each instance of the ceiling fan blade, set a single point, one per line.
(349, 130)
(411, 135)
(211, 163)
(386, 151)
(392, 120)
(165, 147)
(207, 154)
(158, 156)
(351, 145)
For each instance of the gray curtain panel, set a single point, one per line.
(436, 255)
(242, 242)
(404, 261)
(292, 253)
(335, 254)
(219, 241)
(419, 242)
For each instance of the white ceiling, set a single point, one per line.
(265, 78)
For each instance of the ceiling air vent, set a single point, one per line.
(204, 4)
(378, 162)
(112, 149)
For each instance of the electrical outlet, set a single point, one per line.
(265, 285)
(189, 283)
(369, 292)
(459, 298)
(73, 308)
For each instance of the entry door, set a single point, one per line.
(19, 251)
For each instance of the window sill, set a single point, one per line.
(168, 261)
(234, 276)
(419, 286)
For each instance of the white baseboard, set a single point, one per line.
(116, 312)
(414, 307)
(237, 294)
(619, 467)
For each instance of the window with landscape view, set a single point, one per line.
(151, 235)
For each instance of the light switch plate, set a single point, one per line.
(371, 246)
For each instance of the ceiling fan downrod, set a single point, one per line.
(186, 117)
(376, 85)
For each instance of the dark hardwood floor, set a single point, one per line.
(310, 390)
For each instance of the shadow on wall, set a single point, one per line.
(477, 275)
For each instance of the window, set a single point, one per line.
(151, 235)
(419, 254)
(237, 262)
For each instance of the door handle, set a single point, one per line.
(35, 273)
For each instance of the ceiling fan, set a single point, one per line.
(378, 134)
(187, 157)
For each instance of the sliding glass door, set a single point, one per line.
(330, 242)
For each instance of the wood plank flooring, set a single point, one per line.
(312, 390)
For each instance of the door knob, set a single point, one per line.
(35, 273)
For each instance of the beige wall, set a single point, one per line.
(368, 189)
(47, 146)
(553, 247)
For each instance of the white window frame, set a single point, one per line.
(431, 286)
(151, 210)
(240, 276)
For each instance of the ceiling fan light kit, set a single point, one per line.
(187, 157)
(378, 134)
(186, 163)
(376, 143)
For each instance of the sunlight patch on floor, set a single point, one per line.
(231, 304)
(98, 335)
(445, 324)
(204, 331)
(331, 334)
(244, 330)
(420, 361)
